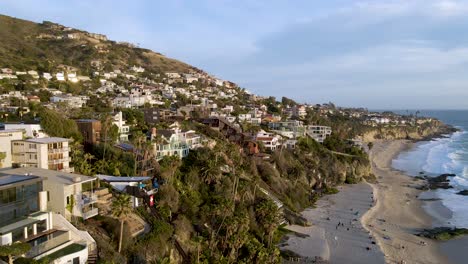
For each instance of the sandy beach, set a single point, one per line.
(336, 234)
(397, 213)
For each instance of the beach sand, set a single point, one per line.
(398, 214)
(346, 243)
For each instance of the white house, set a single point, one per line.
(269, 140)
(124, 129)
(30, 130)
(137, 69)
(60, 76)
(72, 77)
(47, 153)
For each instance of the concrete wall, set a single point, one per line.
(5, 145)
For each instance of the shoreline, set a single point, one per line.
(336, 234)
(391, 211)
(398, 213)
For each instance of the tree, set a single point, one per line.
(2, 158)
(140, 147)
(13, 250)
(268, 218)
(120, 209)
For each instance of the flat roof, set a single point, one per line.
(47, 140)
(11, 130)
(61, 177)
(10, 179)
(108, 178)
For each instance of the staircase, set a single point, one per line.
(278, 203)
(92, 258)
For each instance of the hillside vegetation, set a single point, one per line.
(44, 47)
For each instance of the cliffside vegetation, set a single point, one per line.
(43, 47)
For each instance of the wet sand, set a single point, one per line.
(398, 213)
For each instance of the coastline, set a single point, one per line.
(348, 242)
(391, 211)
(398, 213)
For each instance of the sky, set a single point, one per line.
(401, 54)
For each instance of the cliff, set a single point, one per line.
(422, 132)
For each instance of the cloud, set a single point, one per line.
(367, 50)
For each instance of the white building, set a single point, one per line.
(60, 76)
(124, 129)
(174, 142)
(30, 130)
(47, 76)
(72, 77)
(319, 133)
(271, 141)
(6, 136)
(72, 101)
(46, 153)
(24, 217)
(137, 69)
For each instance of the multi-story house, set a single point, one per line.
(124, 130)
(174, 142)
(24, 218)
(6, 136)
(271, 141)
(47, 153)
(291, 129)
(30, 130)
(90, 129)
(70, 195)
(72, 101)
(319, 133)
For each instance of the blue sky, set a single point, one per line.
(377, 54)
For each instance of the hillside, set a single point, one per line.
(45, 46)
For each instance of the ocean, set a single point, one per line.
(443, 155)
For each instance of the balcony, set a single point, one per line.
(47, 242)
(57, 161)
(59, 150)
(88, 198)
(90, 213)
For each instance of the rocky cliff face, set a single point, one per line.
(422, 132)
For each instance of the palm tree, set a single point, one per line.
(139, 148)
(120, 209)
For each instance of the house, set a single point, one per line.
(319, 133)
(141, 189)
(137, 69)
(6, 136)
(172, 75)
(155, 115)
(124, 130)
(72, 101)
(90, 129)
(33, 74)
(189, 78)
(33, 99)
(291, 128)
(269, 140)
(70, 195)
(24, 218)
(33, 130)
(60, 76)
(47, 153)
(174, 142)
(72, 77)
